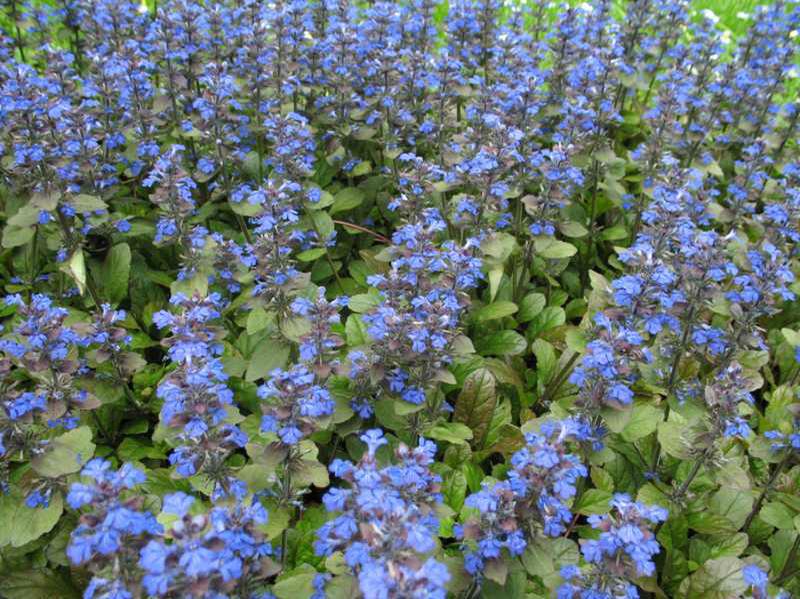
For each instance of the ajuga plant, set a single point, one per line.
(324, 298)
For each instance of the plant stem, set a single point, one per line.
(349, 225)
(672, 377)
(784, 577)
(767, 489)
(692, 474)
(558, 380)
(592, 215)
(327, 252)
(287, 490)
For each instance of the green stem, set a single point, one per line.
(287, 491)
(767, 489)
(592, 214)
(672, 378)
(692, 475)
(355, 227)
(788, 576)
(555, 383)
(328, 256)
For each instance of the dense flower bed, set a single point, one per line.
(394, 300)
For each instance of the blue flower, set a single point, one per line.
(395, 502)
(177, 503)
(756, 578)
(293, 404)
(626, 536)
(542, 478)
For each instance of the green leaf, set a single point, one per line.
(356, 331)
(75, 267)
(37, 584)
(268, 355)
(87, 203)
(475, 404)
(778, 515)
(257, 320)
(554, 249)
(732, 504)
(614, 233)
(14, 236)
(549, 318)
(602, 479)
(530, 306)
(780, 545)
(507, 374)
(295, 584)
(498, 247)
(575, 339)
(362, 168)
(643, 421)
(312, 519)
(708, 522)
(670, 436)
(495, 310)
(295, 327)
(342, 587)
(730, 546)
(46, 202)
(573, 229)
(322, 223)
(674, 534)
(387, 416)
(604, 155)
(133, 449)
(454, 489)
(496, 570)
(495, 276)
(545, 360)
(115, 273)
(593, 501)
(311, 255)
(347, 199)
(19, 524)
(544, 558)
(325, 200)
(501, 343)
(364, 302)
(66, 454)
(246, 208)
(311, 472)
(650, 494)
(452, 432)
(502, 436)
(792, 337)
(719, 578)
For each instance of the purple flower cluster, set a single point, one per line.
(112, 530)
(197, 401)
(541, 481)
(213, 551)
(297, 401)
(623, 551)
(387, 521)
(50, 396)
(423, 297)
(294, 404)
(186, 552)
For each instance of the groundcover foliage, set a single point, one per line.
(318, 299)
